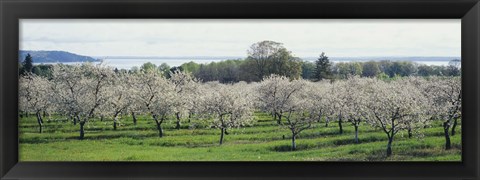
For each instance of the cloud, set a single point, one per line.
(192, 37)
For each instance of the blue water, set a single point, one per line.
(129, 63)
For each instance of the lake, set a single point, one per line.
(128, 63)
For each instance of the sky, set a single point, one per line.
(230, 37)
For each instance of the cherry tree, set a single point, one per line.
(136, 106)
(119, 98)
(67, 86)
(186, 90)
(354, 94)
(428, 105)
(391, 106)
(447, 94)
(134, 109)
(335, 104)
(156, 95)
(35, 96)
(81, 90)
(318, 92)
(297, 115)
(275, 93)
(227, 107)
(196, 102)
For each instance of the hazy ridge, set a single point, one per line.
(54, 56)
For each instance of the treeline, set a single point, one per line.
(238, 70)
(269, 57)
(26, 66)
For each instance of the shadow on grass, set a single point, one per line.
(288, 148)
(338, 142)
(377, 155)
(39, 139)
(362, 140)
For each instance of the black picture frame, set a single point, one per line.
(13, 10)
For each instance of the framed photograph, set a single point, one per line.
(239, 89)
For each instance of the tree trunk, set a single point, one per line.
(356, 134)
(279, 120)
(340, 125)
(294, 145)
(326, 121)
(134, 117)
(101, 118)
(221, 135)
(319, 117)
(454, 125)
(389, 146)
(189, 117)
(410, 134)
(159, 128)
(115, 123)
(82, 131)
(75, 120)
(40, 122)
(448, 144)
(178, 120)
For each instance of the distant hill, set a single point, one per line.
(53, 57)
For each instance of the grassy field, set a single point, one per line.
(262, 142)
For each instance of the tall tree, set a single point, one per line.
(308, 69)
(453, 67)
(370, 69)
(270, 57)
(164, 68)
(27, 65)
(148, 66)
(322, 67)
(455, 63)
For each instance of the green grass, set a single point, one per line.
(264, 141)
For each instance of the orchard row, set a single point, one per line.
(81, 92)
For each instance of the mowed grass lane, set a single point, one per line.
(264, 141)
